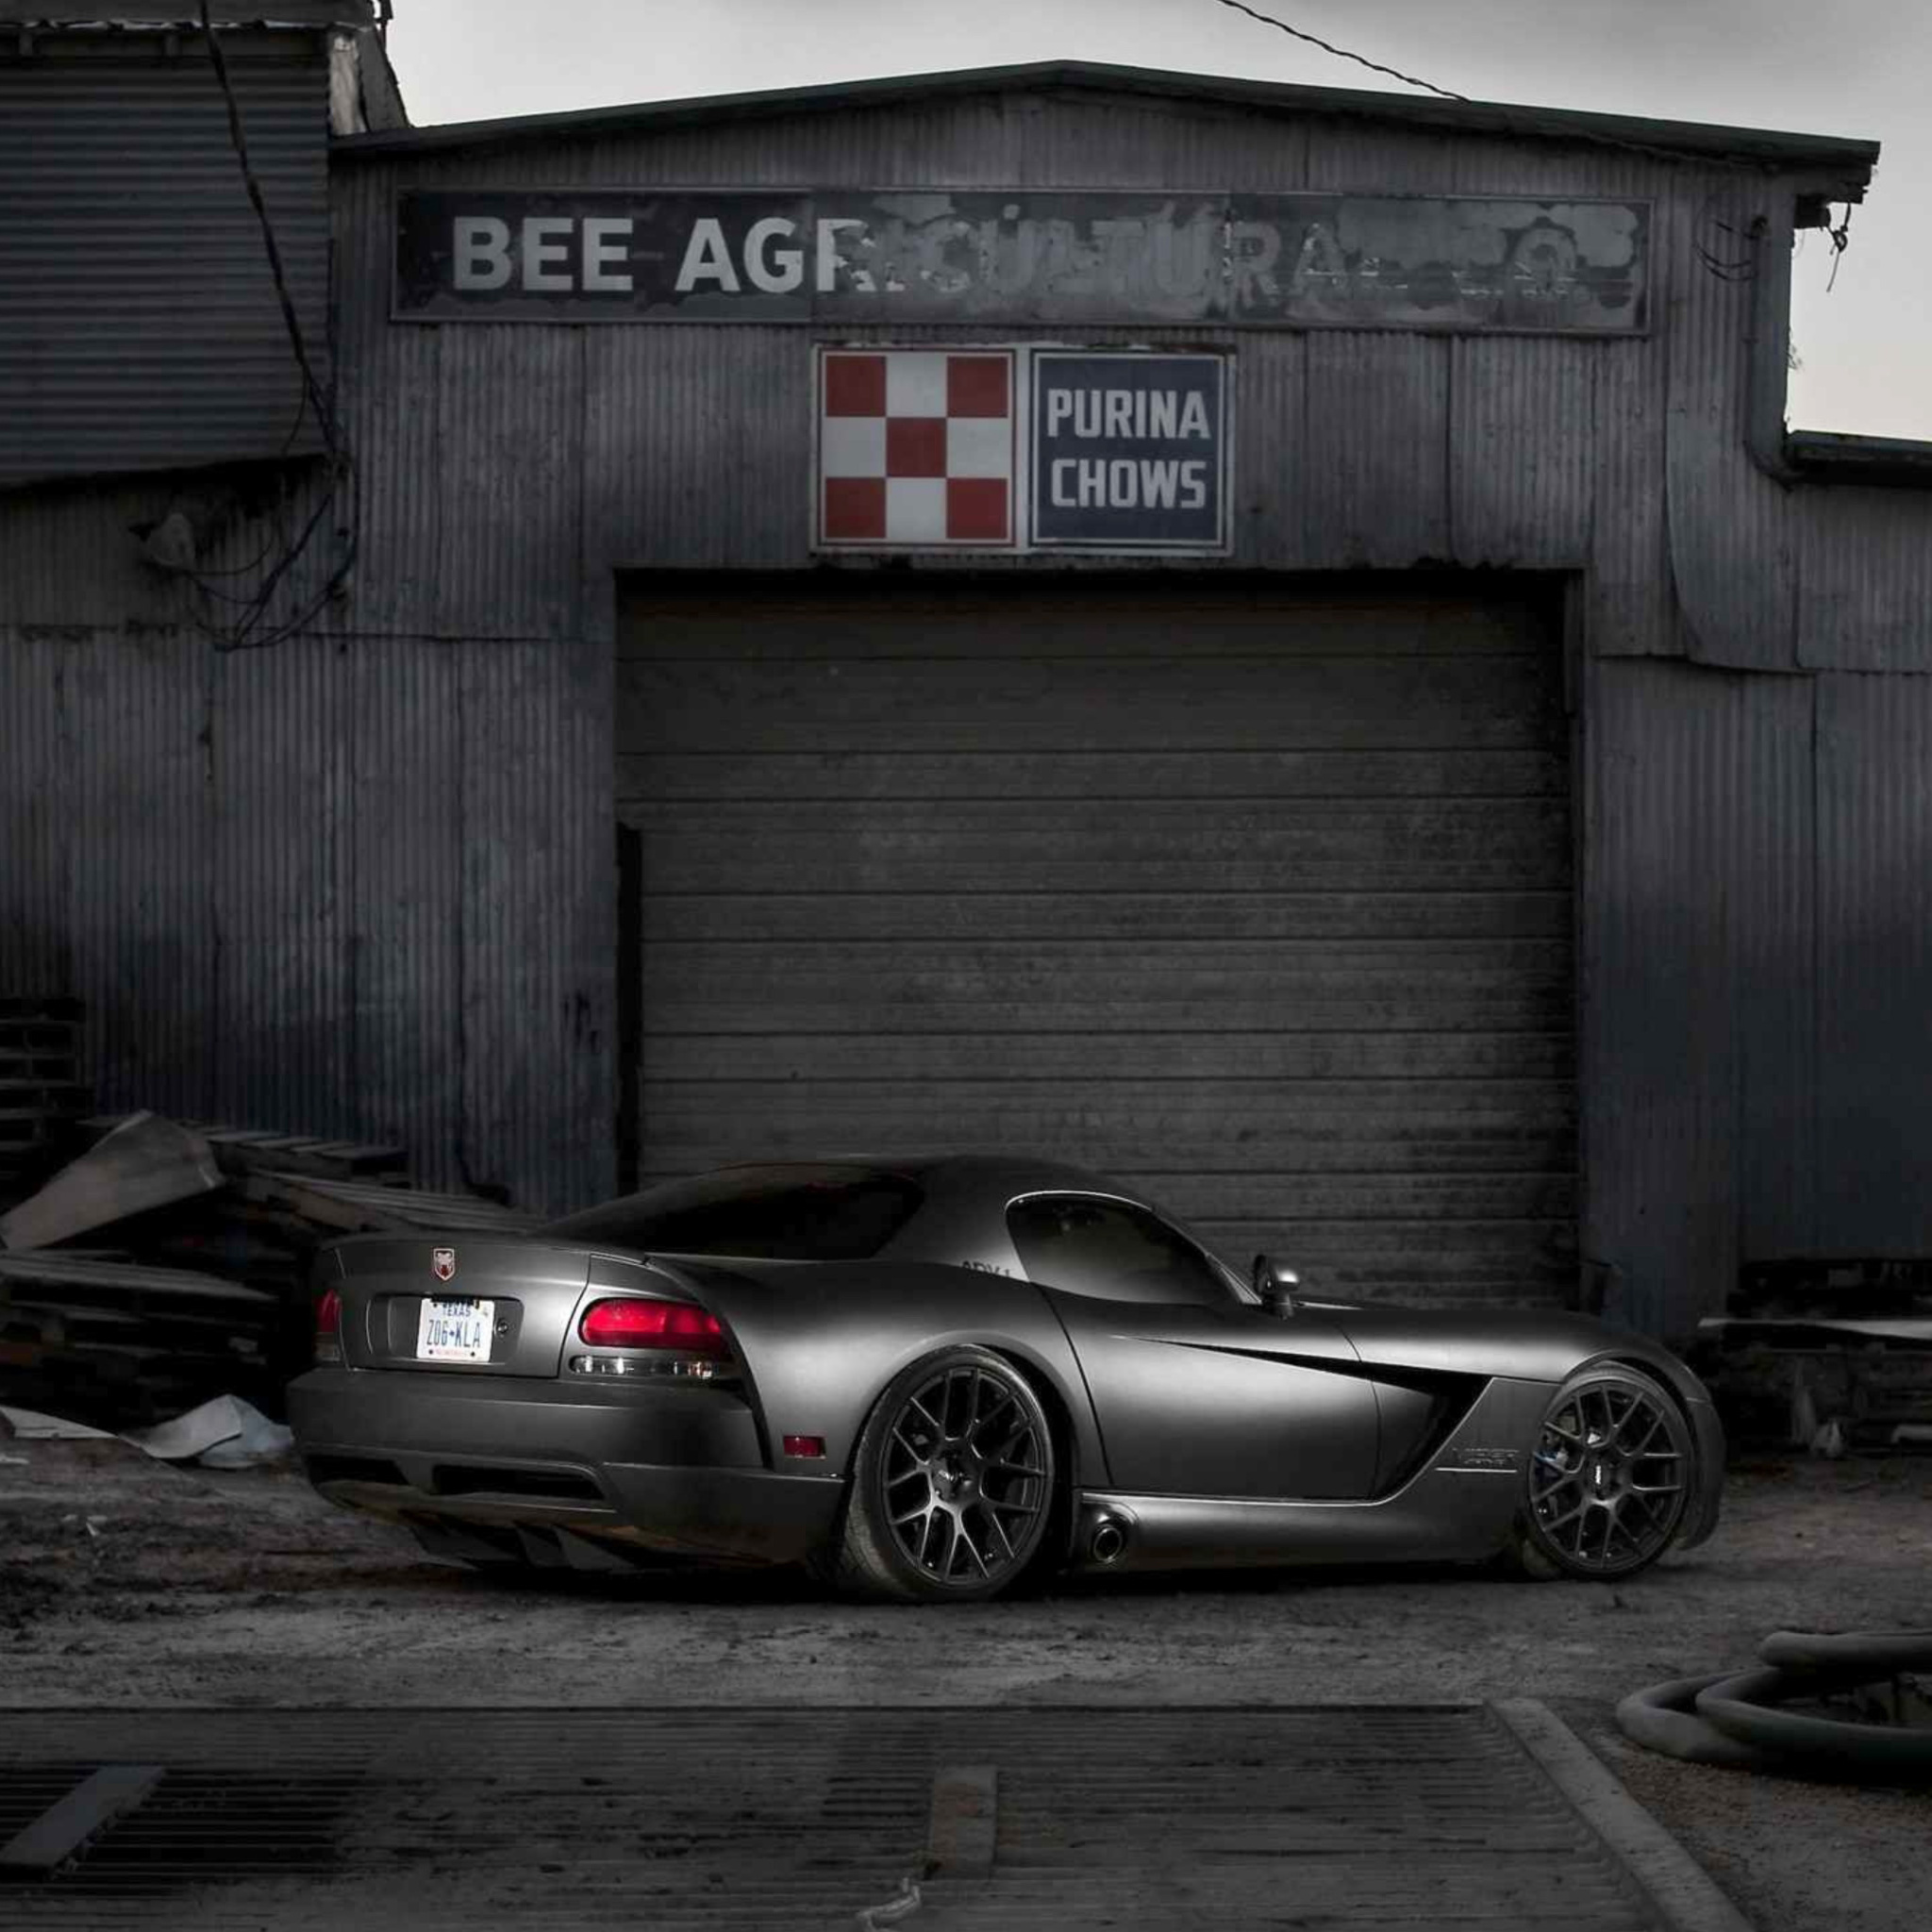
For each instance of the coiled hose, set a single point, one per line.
(1737, 1719)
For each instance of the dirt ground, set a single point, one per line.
(126, 1582)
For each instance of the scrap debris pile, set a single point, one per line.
(1831, 1355)
(43, 1099)
(167, 1262)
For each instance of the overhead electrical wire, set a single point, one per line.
(1740, 269)
(1342, 53)
(1593, 136)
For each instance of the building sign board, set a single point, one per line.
(1129, 452)
(1018, 448)
(1026, 256)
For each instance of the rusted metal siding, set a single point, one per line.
(68, 559)
(1659, 1063)
(1732, 537)
(36, 945)
(1521, 467)
(1865, 580)
(1774, 880)
(538, 920)
(406, 820)
(1874, 959)
(1372, 484)
(1699, 1066)
(360, 888)
(138, 323)
(510, 413)
(280, 792)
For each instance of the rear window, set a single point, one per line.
(775, 1213)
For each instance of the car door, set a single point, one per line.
(1196, 1392)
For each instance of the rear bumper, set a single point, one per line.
(676, 1470)
(1707, 1502)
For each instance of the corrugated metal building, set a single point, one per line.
(1491, 866)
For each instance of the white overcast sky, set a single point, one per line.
(1861, 68)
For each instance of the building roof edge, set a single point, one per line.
(1690, 138)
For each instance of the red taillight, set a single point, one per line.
(329, 1326)
(634, 1323)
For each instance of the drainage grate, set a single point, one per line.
(1170, 1818)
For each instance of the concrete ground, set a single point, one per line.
(125, 1582)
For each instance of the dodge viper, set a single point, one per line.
(930, 1379)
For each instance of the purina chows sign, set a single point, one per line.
(1047, 255)
(1023, 448)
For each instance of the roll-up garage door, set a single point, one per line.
(1257, 896)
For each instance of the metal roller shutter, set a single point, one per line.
(1257, 895)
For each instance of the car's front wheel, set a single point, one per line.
(952, 1485)
(1610, 1477)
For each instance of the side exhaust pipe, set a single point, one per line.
(1107, 1540)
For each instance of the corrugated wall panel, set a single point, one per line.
(1700, 1069)
(36, 814)
(141, 867)
(511, 445)
(1732, 529)
(1136, 142)
(71, 556)
(1272, 428)
(1875, 956)
(472, 858)
(407, 872)
(1772, 878)
(1521, 467)
(161, 342)
(1865, 580)
(390, 387)
(538, 920)
(1372, 480)
(283, 804)
(1348, 156)
(698, 446)
(980, 138)
(1659, 1051)
(1632, 611)
(67, 558)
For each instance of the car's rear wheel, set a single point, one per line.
(952, 1486)
(1610, 1475)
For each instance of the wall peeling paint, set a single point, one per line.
(362, 883)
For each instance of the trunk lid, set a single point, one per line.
(515, 1298)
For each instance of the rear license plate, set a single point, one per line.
(454, 1331)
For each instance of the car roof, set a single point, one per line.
(956, 1175)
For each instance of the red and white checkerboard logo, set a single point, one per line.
(915, 447)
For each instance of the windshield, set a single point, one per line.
(793, 1212)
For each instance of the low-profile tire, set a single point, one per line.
(1609, 1478)
(953, 1485)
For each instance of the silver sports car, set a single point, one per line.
(932, 1378)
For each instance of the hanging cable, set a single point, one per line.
(1840, 241)
(247, 632)
(237, 134)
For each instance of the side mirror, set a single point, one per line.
(1276, 1283)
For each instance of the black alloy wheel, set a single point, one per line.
(953, 1484)
(1609, 1477)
